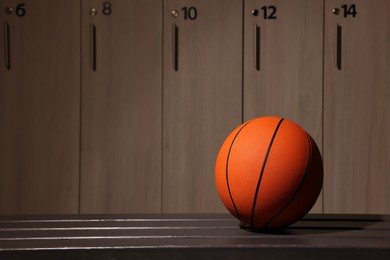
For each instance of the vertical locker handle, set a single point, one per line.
(256, 47)
(338, 46)
(93, 46)
(175, 47)
(7, 48)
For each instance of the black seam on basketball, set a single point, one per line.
(262, 169)
(227, 169)
(298, 188)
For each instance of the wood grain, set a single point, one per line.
(202, 100)
(39, 109)
(357, 109)
(121, 108)
(288, 81)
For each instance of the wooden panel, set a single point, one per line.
(287, 81)
(357, 109)
(202, 99)
(39, 108)
(205, 236)
(121, 107)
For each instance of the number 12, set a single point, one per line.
(269, 12)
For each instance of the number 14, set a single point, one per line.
(349, 10)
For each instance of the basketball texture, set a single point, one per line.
(269, 172)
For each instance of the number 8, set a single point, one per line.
(107, 8)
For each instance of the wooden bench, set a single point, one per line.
(203, 236)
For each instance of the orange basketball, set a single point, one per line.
(269, 172)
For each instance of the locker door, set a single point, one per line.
(39, 106)
(121, 106)
(202, 97)
(357, 107)
(283, 42)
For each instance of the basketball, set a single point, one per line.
(269, 173)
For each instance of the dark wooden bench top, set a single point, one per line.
(204, 236)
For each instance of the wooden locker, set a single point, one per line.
(283, 49)
(121, 106)
(357, 107)
(202, 98)
(39, 106)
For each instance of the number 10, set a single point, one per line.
(190, 13)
